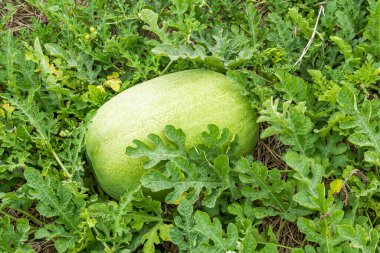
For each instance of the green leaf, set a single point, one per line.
(48, 71)
(254, 18)
(265, 186)
(301, 22)
(63, 240)
(316, 200)
(362, 121)
(372, 31)
(56, 50)
(154, 236)
(183, 233)
(54, 198)
(215, 137)
(151, 19)
(74, 152)
(115, 224)
(8, 56)
(335, 152)
(291, 125)
(295, 88)
(215, 239)
(322, 231)
(188, 179)
(360, 238)
(14, 238)
(31, 114)
(281, 35)
(372, 157)
(41, 121)
(172, 146)
(307, 171)
(332, 123)
(198, 54)
(109, 222)
(366, 76)
(344, 47)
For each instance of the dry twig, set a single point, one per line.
(321, 11)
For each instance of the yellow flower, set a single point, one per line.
(113, 81)
(7, 108)
(335, 186)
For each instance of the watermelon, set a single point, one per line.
(190, 100)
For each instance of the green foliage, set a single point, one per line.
(185, 177)
(161, 150)
(268, 188)
(14, 237)
(292, 126)
(363, 120)
(117, 226)
(213, 231)
(323, 112)
(183, 233)
(55, 200)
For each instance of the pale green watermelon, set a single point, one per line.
(189, 100)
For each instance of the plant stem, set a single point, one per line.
(166, 68)
(280, 228)
(278, 245)
(104, 243)
(6, 248)
(60, 163)
(10, 216)
(32, 217)
(14, 218)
